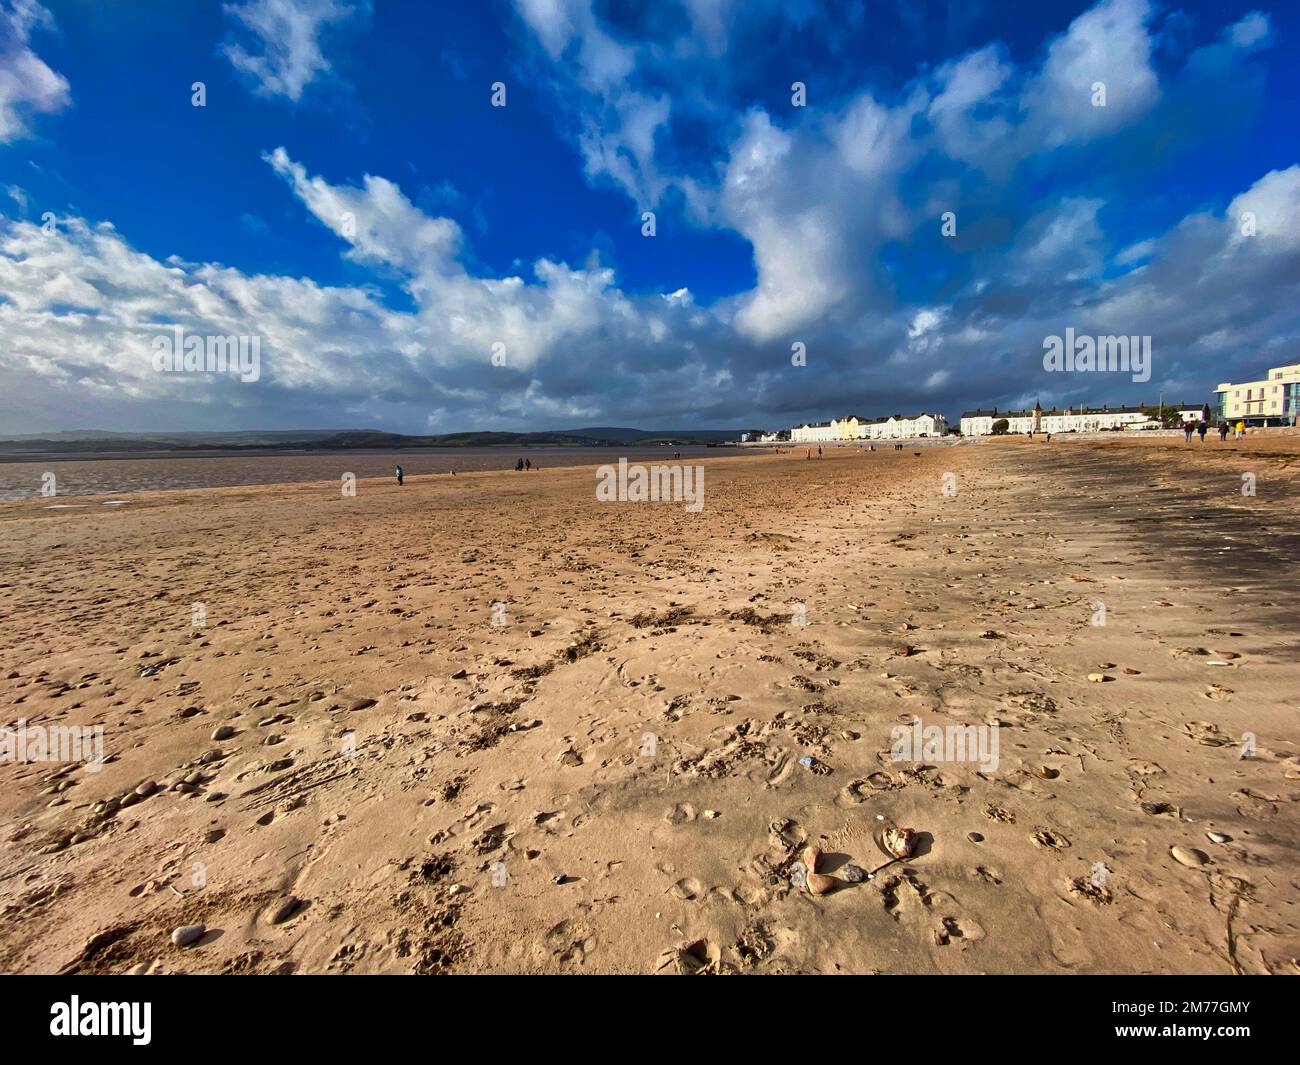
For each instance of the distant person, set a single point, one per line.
(519, 465)
(1188, 428)
(819, 451)
(400, 475)
(1241, 430)
(1223, 430)
(1201, 429)
(528, 464)
(1049, 438)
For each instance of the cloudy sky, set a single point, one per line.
(349, 194)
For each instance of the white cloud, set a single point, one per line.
(1108, 44)
(27, 84)
(1251, 31)
(280, 50)
(1274, 203)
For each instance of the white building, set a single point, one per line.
(815, 433)
(1272, 401)
(855, 427)
(1070, 420)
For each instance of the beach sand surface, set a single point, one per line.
(364, 765)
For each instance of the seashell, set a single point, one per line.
(1189, 856)
(897, 842)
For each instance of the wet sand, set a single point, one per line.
(622, 773)
(112, 475)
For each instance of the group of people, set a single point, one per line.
(1202, 427)
(525, 464)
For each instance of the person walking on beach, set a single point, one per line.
(400, 475)
(1241, 430)
(528, 464)
(1187, 432)
(819, 451)
(1201, 430)
(1223, 430)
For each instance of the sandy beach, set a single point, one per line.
(490, 724)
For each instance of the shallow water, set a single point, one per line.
(120, 475)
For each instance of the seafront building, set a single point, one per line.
(1272, 401)
(856, 427)
(1070, 420)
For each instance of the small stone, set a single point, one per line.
(974, 837)
(1189, 856)
(362, 704)
(223, 732)
(214, 835)
(1097, 678)
(187, 934)
(853, 874)
(1218, 837)
(145, 788)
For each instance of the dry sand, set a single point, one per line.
(610, 780)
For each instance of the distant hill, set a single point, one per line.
(98, 440)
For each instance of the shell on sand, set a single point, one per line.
(896, 842)
(1189, 856)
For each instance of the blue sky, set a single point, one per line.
(349, 195)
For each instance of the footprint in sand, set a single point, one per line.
(688, 889)
(570, 941)
(682, 813)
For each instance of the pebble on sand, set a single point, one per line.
(223, 732)
(818, 883)
(187, 934)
